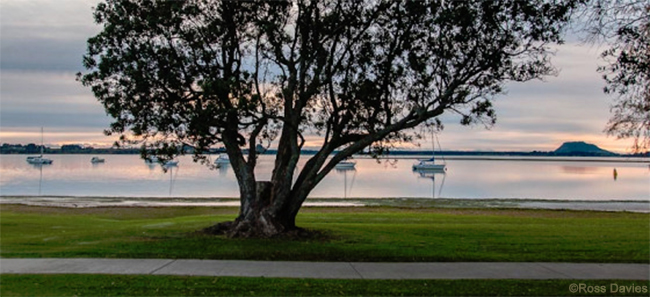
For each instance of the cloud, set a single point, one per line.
(41, 46)
(42, 54)
(53, 100)
(42, 42)
(540, 115)
(49, 92)
(45, 35)
(59, 119)
(56, 137)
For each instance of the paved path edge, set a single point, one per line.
(328, 270)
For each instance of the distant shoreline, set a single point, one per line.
(568, 149)
(451, 155)
(615, 159)
(460, 156)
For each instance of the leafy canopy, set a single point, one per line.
(358, 73)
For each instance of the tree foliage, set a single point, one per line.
(625, 25)
(357, 73)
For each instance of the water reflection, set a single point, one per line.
(128, 175)
(344, 170)
(579, 169)
(172, 177)
(431, 174)
(223, 169)
(40, 176)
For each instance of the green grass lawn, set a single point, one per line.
(147, 285)
(352, 234)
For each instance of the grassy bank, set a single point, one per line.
(352, 234)
(146, 285)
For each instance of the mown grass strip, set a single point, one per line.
(147, 285)
(352, 234)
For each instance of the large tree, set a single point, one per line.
(357, 73)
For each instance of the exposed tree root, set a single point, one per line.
(232, 229)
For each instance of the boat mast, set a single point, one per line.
(433, 146)
(41, 142)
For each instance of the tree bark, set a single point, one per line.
(259, 219)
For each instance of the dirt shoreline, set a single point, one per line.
(86, 202)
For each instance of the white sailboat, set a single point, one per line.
(39, 160)
(96, 160)
(151, 160)
(430, 164)
(346, 164)
(223, 159)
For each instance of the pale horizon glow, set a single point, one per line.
(42, 42)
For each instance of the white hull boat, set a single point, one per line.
(223, 159)
(96, 160)
(40, 160)
(429, 165)
(345, 165)
(151, 160)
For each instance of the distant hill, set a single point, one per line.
(581, 148)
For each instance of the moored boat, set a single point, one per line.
(429, 164)
(346, 164)
(39, 160)
(222, 160)
(96, 160)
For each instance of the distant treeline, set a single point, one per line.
(65, 149)
(31, 148)
(78, 149)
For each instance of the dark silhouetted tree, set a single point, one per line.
(357, 73)
(625, 26)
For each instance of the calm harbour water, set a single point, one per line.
(130, 176)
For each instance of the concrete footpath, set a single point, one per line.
(330, 270)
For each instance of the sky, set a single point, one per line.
(42, 42)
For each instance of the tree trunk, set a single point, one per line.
(259, 218)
